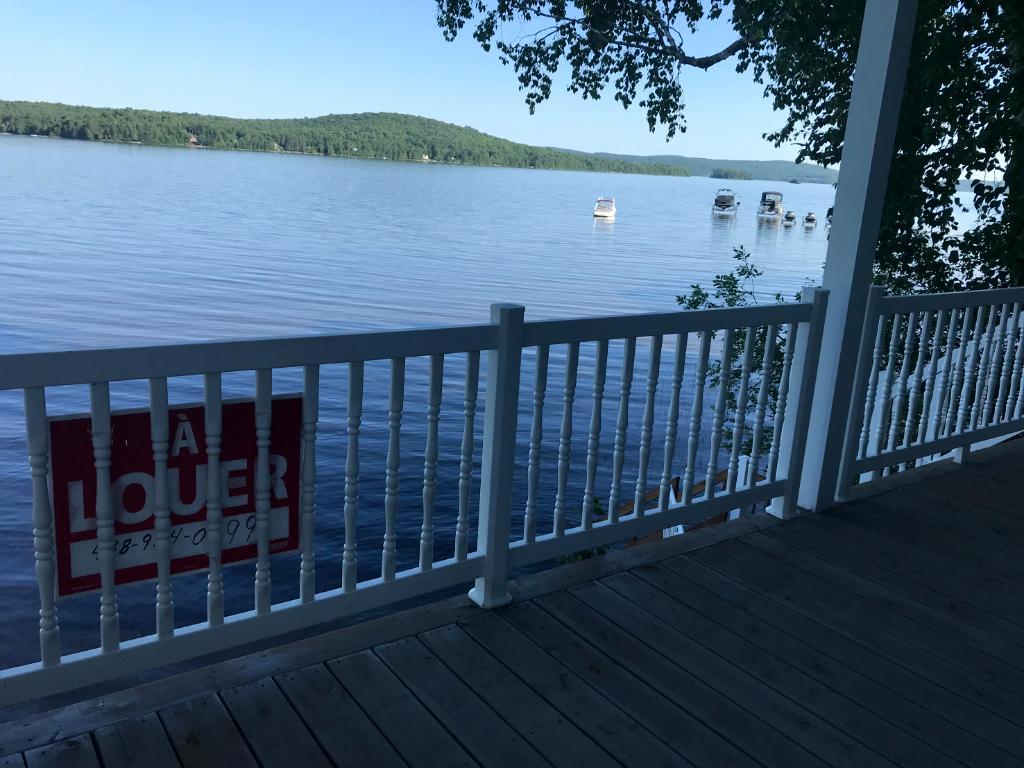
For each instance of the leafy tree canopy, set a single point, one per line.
(962, 115)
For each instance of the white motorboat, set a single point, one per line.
(604, 208)
(789, 219)
(810, 220)
(770, 206)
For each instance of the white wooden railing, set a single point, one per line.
(938, 374)
(697, 338)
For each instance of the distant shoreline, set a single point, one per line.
(388, 159)
(368, 136)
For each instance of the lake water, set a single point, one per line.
(109, 245)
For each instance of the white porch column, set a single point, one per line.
(880, 74)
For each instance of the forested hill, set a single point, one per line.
(371, 135)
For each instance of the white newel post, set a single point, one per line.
(498, 461)
(881, 71)
(806, 355)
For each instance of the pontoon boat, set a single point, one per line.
(725, 203)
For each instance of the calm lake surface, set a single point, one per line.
(110, 245)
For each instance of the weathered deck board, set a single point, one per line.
(676, 727)
(871, 649)
(793, 736)
(551, 734)
(489, 739)
(76, 752)
(344, 731)
(968, 593)
(608, 723)
(137, 743)
(204, 735)
(936, 631)
(860, 722)
(887, 632)
(273, 731)
(406, 723)
(726, 604)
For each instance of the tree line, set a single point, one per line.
(370, 135)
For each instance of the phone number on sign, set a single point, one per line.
(186, 540)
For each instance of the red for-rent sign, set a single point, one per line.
(73, 476)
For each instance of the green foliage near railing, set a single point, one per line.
(737, 289)
(370, 135)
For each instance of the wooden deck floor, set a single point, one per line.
(889, 632)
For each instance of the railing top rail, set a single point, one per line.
(953, 300)
(661, 323)
(49, 369)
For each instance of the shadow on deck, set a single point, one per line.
(889, 631)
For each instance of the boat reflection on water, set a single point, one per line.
(604, 225)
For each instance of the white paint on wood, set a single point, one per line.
(264, 384)
(647, 427)
(696, 414)
(430, 461)
(214, 500)
(594, 438)
(387, 560)
(350, 554)
(672, 423)
(498, 462)
(999, 413)
(110, 634)
(307, 473)
(718, 422)
(621, 427)
(159, 432)
(739, 425)
(780, 403)
(536, 437)
(466, 456)
(572, 359)
(37, 433)
(754, 466)
(880, 74)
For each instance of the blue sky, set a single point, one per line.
(258, 59)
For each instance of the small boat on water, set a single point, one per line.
(725, 203)
(789, 219)
(810, 220)
(604, 208)
(770, 206)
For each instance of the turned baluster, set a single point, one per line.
(387, 565)
(672, 425)
(350, 550)
(746, 364)
(159, 432)
(696, 413)
(110, 634)
(621, 425)
(262, 486)
(757, 435)
(37, 433)
(647, 428)
(594, 439)
(430, 461)
(310, 415)
(572, 359)
(466, 454)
